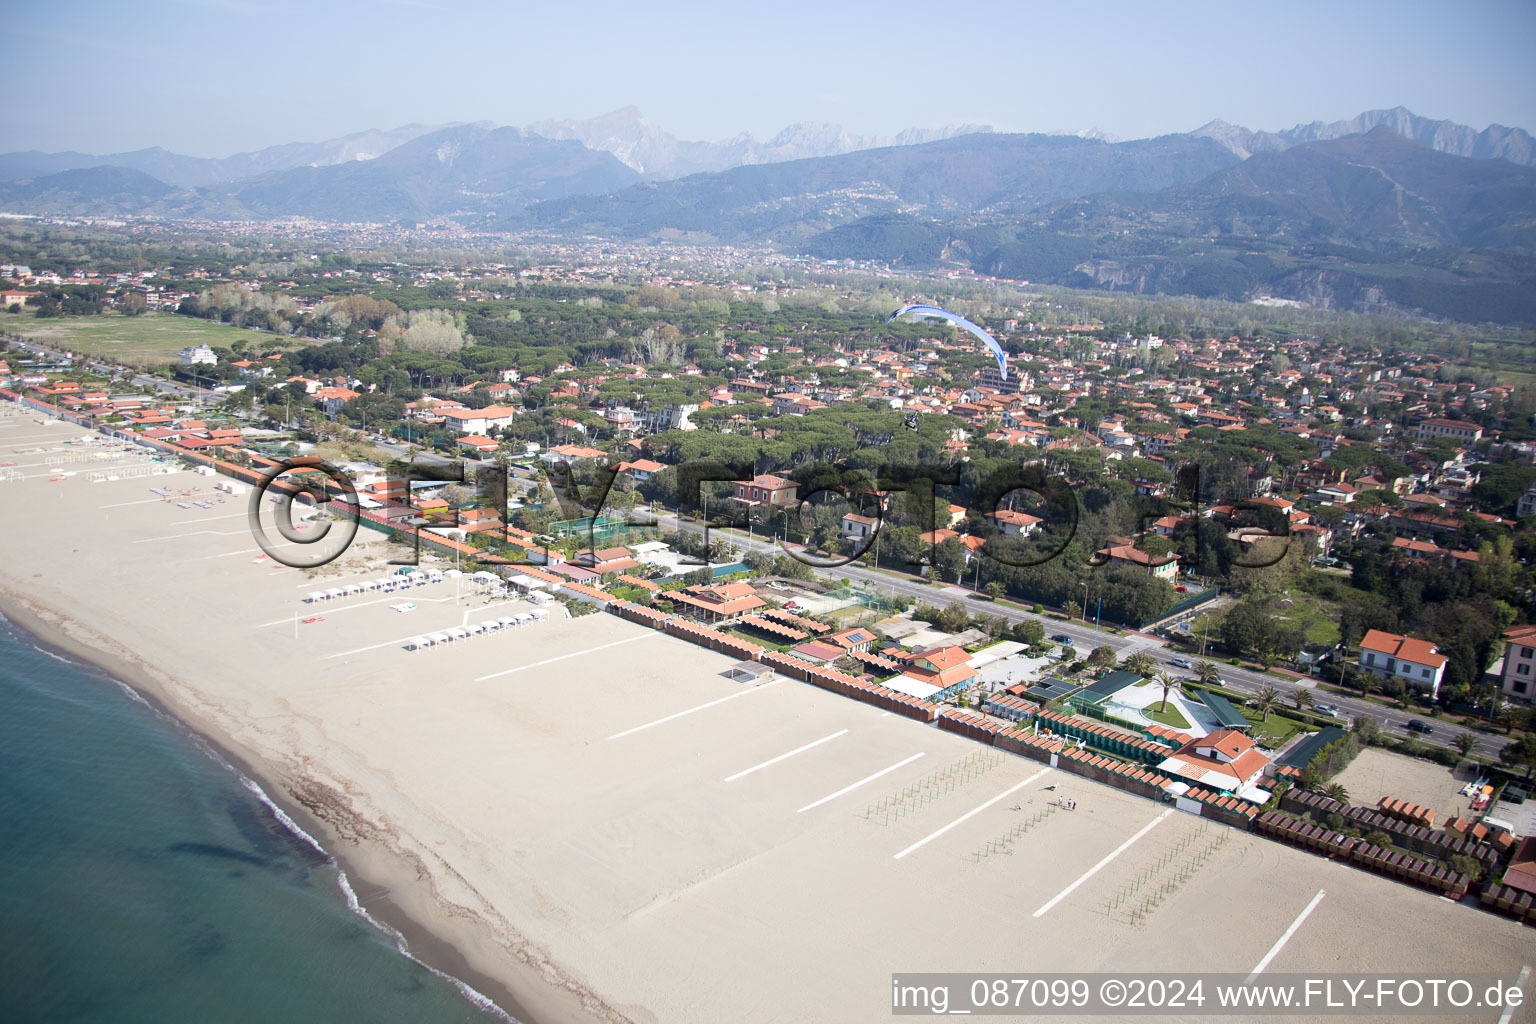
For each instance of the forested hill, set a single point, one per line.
(798, 198)
(1365, 222)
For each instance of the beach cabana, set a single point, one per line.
(438, 638)
(315, 596)
(475, 629)
(416, 643)
(334, 592)
(458, 632)
(506, 621)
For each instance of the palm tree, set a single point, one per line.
(1368, 683)
(1335, 791)
(1141, 663)
(1207, 673)
(1168, 681)
(1465, 743)
(1266, 699)
(1304, 699)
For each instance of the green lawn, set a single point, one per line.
(1274, 732)
(1317, 617)
(1515, 377)
(151, 339)
(1170, 717)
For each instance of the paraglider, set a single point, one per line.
(935, 313)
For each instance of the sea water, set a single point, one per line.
(142, 879)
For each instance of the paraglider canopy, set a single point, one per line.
(935, 313)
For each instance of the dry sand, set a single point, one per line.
(593, 817)
(1374, 774)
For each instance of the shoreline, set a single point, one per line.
(412, 938)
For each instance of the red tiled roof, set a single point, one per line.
(1404, 648)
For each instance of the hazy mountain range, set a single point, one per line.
(1384, 211)
(1493, 142)
(194, 171)
(654, 152)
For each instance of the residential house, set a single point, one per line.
(857, 527)
(565, 454)
(1391, 655)
(332, 399)
(478, 421)
(767, 489)
(1164, 567)
(1014, 524)
(1518, 679)
(478, 444)
(640, 470)
(1527, 504)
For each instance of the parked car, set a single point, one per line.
(1414, 725)
(1181, 589)
(1181, 662)
(1062, 638)
(1327, 709)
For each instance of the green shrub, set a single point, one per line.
(1379, 838)
(1331, 760)
(1469, 866)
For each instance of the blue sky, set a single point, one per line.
(213, 77)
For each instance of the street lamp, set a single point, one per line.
(1096, 613)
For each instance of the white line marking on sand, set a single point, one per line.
(697, 707)
(856, 785)
(193, 533)
(781, 757)
(573, 654)
(332, 609)
(1286, 937)
(1148, 827)
(120, 504)
(209, 519)
(1509, 1011)
(246, 551)
(934, 835)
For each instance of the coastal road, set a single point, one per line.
(1085, 637)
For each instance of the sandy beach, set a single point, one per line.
(589, 821)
